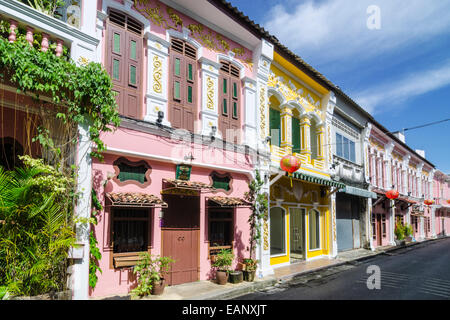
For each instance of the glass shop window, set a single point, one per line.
(277, 231)
(314, 230)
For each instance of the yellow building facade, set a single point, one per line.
(301, 217)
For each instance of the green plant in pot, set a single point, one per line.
(151, 271)
(399, 233)
(224, 260)
(249, 269)
(408, 232)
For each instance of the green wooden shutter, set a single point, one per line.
(275, 124)
(296, 135)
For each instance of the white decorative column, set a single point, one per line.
(334, 245)
(263, 57)
(209, 111)
(367, 158)
(80, 269)
(157, 78)
(250, 109)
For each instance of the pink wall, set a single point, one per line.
(121, 281)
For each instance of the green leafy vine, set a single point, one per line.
(82, 93)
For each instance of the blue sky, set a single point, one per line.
(400, 72)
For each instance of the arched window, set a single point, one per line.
(229, 100)
(314, 230)
(10, 150)
(277, 231)
(183, 84)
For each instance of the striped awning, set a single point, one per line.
(318, 180)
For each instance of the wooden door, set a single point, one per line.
(379, 231)
(181, 238)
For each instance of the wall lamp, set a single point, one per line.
(213, 133)
(160, 118)
(268, 139)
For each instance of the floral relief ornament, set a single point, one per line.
(198, 31)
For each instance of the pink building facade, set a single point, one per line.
(441, 207)
(392, 165)
(175, 175)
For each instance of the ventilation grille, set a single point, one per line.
(184, 48)
(117, 18)
(228, 68)
(125, 21)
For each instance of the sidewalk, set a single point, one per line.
(209, 290)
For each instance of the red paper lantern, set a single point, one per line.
(428, 202)
(392, 194)
(448, 201)
(290, 164)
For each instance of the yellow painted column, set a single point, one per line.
(320, 145)
(305, 128)
(286, 129)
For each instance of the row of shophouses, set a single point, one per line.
(207, 98)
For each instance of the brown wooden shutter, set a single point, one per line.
(183, 85)
(229, 100)
(124, 62)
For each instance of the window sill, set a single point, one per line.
(126, 261)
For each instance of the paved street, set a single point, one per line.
(417, 273)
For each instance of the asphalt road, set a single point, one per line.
(421, 272)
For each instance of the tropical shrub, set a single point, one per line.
(36, 230)
(399, 231)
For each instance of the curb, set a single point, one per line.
(236, 292)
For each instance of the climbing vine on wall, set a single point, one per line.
(82, 93)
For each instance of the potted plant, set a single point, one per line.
(249, 269)
(408, 233)
(151, 270)
(235, 276)
(223, 262)
(399, 234)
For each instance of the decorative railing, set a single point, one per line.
(14, 31)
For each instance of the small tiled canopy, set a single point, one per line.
(136, 200)
(229, 201)
(188, 184)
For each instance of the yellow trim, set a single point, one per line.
(324, 230)
(298, 73)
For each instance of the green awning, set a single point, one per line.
(318, 180)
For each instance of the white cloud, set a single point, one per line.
(333, 30)
(379, 98)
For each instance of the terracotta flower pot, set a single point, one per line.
(158, 287)
(222, 277)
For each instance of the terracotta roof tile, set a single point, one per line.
(135, 199)
(229, 201)
(188, 184)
